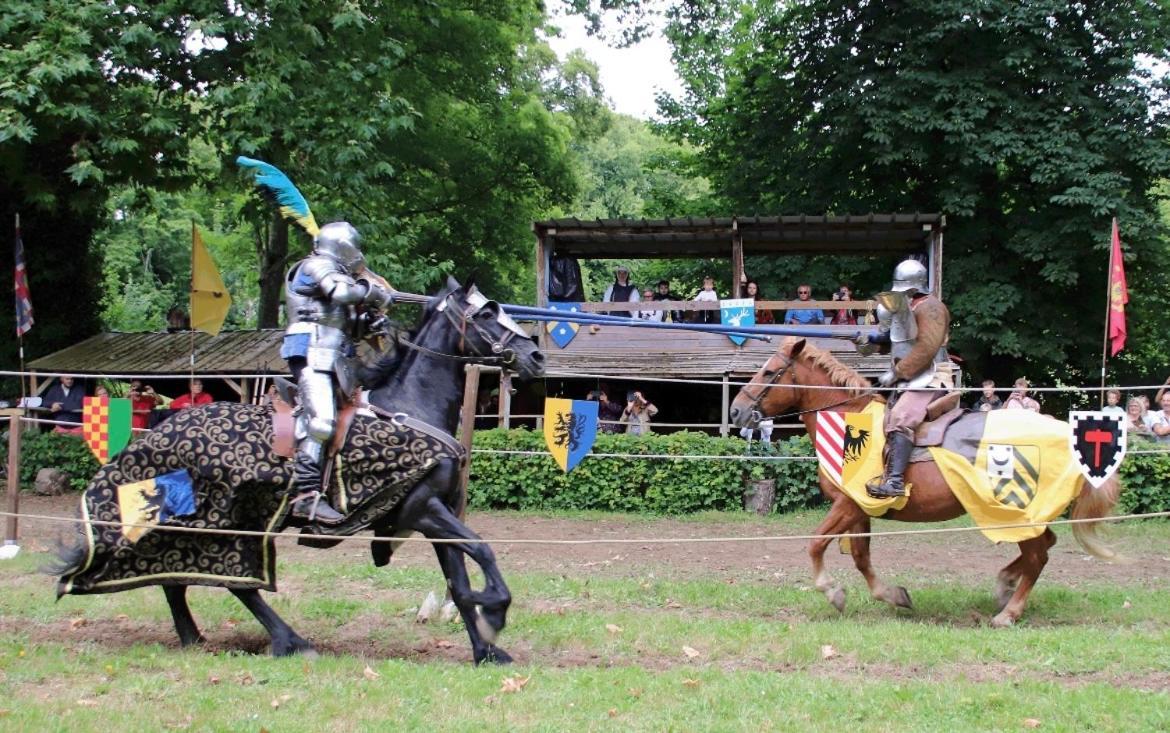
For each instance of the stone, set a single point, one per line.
(51, 482)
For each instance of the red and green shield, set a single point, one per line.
(105, 425)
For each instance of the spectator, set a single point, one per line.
(663, 293)
(989, 400)
(101, 391)
(708, 295)
(650, 315)
(638, 412)
(609, 414)
(1147, 416)
(621, 290)
(487, 410)
(844, 316)
(1019, 399)
(271, 395)
(1135, 425)
(763, 315)
(194, 398)
(1113, 402)
(1159, 422)
(65, 402)
(804, 316)
(143, 400)
(1158, 396)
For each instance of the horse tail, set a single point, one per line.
(70, 558)
(1095, 504)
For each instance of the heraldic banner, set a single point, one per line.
(1098, 442)
(849, 449)
(737, 313)
(105, 425)
(1024, 472)
(570, 427)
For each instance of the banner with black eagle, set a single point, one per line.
(570, 428)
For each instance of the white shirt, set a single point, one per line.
(1162, 419)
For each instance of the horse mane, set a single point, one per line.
(839, 374)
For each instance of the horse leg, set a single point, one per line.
(1009, 576)
(896, 596)
(841, 517)
(285, 641)
(1033, 557)
(181, 613)
(484, 612)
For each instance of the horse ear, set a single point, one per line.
(470, 282)
(797, 347)
(452, 284)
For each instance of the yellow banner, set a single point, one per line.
(210, 300)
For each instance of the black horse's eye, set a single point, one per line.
(485, 314)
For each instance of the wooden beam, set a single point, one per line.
(737, 273)
(236, 387)
(505, 399)
(542, 257)
(723, 426)
(13, 504)
(466, 430)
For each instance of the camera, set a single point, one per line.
(631, 396)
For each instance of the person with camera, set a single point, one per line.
(609, 413)
(1019, 399)
(844, 316)
(637, 414)
(143, 400)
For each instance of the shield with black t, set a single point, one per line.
(1097, 440)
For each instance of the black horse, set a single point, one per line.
(226, 450)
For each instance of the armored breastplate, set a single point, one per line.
(306, 304)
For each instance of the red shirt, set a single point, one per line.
(187, 400)
(141, 407)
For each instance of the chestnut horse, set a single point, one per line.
(776, 390)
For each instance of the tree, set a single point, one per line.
(1028, 124)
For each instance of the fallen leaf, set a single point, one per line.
(444, 643)
(4, 712)
(515, 683)
(20, 653)
(278, 701)
(613, 712)
(827, 651)
(1031, 723)
(690, 683)
(691, 652)
(245, 679)
(85, 703)
(1127, 604)
(673, 604)
(109, 669)
(213, 679)
(370, 674)
(121, 617)
(613, 628)
(491, 699)
(635, 692)
(77, 623)
(231, 623)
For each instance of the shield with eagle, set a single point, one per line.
(1098, 442)
(849, 447)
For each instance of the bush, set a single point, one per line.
(1146, 479)
(63, 451)
(657, 485)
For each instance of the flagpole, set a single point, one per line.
(20, 334)
(1108, 311)
(191, 308)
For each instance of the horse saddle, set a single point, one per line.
(939, 415)
(284, 441)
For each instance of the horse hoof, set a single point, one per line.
(837, 598)
(902, 598)
(193, 641)
(1002, 621)
(494, 655)
(296, 646)
(1003, 595)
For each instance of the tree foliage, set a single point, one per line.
(1028, 124)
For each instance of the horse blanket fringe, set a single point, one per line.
(213, 467)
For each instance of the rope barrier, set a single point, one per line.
(593, 541)
(648, 455)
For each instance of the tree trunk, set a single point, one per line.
(272, 266)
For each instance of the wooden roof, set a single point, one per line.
(230, 353)
(713, 236)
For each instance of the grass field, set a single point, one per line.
(614, 639)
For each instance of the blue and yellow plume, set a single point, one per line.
(275, 184)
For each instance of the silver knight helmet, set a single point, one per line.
(340, 241)
(910, 275)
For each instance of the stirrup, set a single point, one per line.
(877, 490)
(299, 509)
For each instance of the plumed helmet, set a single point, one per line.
(910, 275)
(342, 242)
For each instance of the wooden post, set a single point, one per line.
(466, 428)
(936, 254)
(505, 399)
(13, 505)
(724, 428)
(737, 273)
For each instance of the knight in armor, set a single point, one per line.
(913, 326)
(332, 303)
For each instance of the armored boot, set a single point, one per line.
(306, 483)
(892, 486)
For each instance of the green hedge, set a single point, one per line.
(657, 485)
(53, 450)
(1147, 481)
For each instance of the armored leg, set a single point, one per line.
(314, 430)
(893, 486)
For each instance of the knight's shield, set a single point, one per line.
(562, 332)
(1098, 442)
(106, 425)
(737, 313)
(848, 447)
(570, 428)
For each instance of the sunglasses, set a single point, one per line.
(804, 292)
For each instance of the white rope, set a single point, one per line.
(592, 541)
(649, 455)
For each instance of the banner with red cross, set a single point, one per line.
(105, 425)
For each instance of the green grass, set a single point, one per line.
(601, 652)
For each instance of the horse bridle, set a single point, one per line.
(757, 415)
(460, 318)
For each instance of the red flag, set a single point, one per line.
(1118, 295)
(24, 312)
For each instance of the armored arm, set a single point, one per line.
(934, 323)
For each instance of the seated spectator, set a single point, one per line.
(194, 398)
(804, 316)
(609, 414)
(621, 290)
(650, 315)
(101, 391)
(1160, 422)
(1135, 425)
(143, 400)
(64, 400)
(1113, 402)
(663, 293)
(708, 295)
(1019, 399)
(844, 316)
(638, 412)
(763, 315)
(988, 400)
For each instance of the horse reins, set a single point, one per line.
(757, 415)
(500, 353)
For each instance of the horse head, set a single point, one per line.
(766, 395)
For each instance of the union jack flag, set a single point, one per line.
(24, 310)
